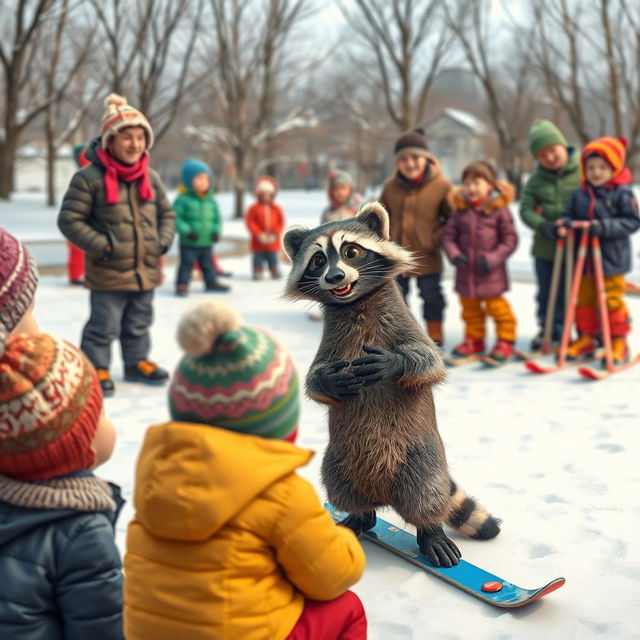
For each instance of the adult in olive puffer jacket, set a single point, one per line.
(117, 212)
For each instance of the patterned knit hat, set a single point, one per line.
(413, 141)
(339, 177)
(266, 183)
(542, 134)
(613, 151)
(18, 281)
(233, 377)
(50, 406)
(119, 115)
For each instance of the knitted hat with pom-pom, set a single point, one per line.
(119, 115)
(18, 281)
(544, 133)
(413, 142)
(614, 152)
(50, 406)
(234, 377)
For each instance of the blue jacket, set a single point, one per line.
(617, 209)
(61, 575)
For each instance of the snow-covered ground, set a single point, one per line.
(554, 456)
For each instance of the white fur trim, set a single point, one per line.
(200, 327)
(382, 214)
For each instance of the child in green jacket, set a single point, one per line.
(199, 225)
(544, 200)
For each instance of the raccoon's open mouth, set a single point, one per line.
(344, 290)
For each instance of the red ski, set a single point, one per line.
(599, 374)
(537, 367)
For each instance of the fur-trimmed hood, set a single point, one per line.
(500, 197)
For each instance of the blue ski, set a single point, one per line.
(465, 576)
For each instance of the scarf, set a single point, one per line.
(116, 171)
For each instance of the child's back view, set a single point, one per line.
(228, 541)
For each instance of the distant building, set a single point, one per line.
(457, 138)
(31, 168)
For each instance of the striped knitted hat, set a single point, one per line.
(233, 377)
(18, 281)
(614, 152)
(119, 115)
(50, 406)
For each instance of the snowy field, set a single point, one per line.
(554, 456)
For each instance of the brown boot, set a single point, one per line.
(434, 329)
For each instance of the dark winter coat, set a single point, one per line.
(488, 231)
(139, 232)
(545, 197)
(617, 209)
(199, 214)
(61, 570)
(418, 215)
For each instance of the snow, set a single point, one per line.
(467, 119)
(554, 456)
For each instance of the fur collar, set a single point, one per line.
(500, 197)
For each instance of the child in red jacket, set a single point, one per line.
(265, 221)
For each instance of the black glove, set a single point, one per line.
(549, 229)
(193, 236)
(380, 365)
(215, 236)
(596, 228)
(460, 259)
(482, 265)
(340, 386)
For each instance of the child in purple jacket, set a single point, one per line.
(479, 237)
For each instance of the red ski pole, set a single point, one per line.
(601, 294)
(570, 312)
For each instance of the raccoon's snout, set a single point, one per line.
(335, 275)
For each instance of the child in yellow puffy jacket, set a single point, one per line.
(228, 540)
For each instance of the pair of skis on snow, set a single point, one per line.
(564, 252)
(573, 278)
(466, 576)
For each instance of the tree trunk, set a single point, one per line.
(51, 158)
(7, 165)
(239, 186)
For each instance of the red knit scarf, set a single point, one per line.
(116, 171)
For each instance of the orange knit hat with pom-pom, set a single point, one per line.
(613, 151)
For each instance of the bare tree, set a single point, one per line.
(148, 53)
(23, 102)
(250, 48)
(589, 56)
(62, 56)
(507, 82)
(408, 40)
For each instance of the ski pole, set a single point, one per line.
(596, 254)
(570, 311)
(553, 293)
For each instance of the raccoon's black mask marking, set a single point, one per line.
(340, 262)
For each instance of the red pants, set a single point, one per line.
(339, 619)
(75, 264)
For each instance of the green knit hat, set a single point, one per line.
(233, 377)
(542, 134)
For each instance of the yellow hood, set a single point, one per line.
(191, 479)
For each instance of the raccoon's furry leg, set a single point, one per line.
(470, 518)
(340, 490)
(439, 550)
(359, 524)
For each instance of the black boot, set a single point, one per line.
(146, 371)
(437, 548)
(106, 383)
(358, 524)
(218, 287)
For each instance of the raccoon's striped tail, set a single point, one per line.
(470, 518)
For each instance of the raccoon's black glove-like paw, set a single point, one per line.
(379, 365)
(437, 548)
(335, 384)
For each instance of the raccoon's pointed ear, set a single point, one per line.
(293, 240)
(375, 216)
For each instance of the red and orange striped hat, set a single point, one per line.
(119, 115)
(613, 151)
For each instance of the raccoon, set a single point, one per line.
(374, 369)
